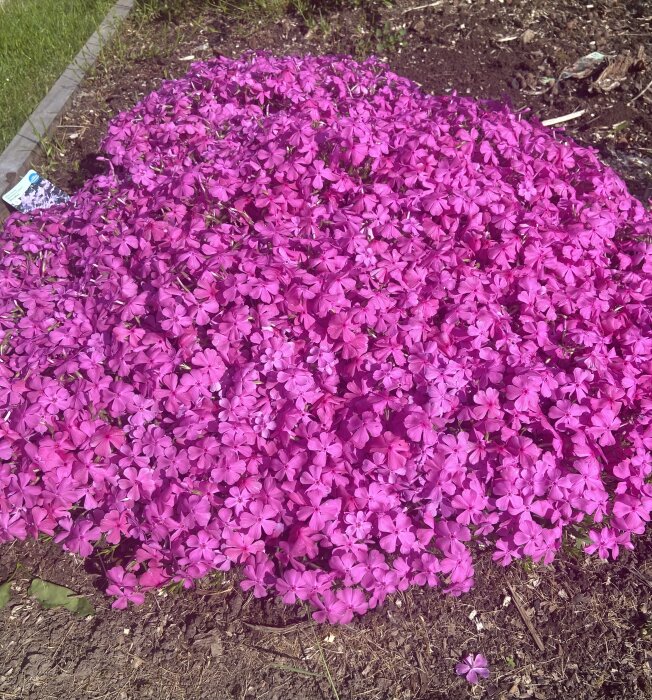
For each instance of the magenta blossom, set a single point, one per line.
(473, 668)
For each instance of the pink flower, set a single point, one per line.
(604, 423)
(259, 518)
(348, 602)
(240, 546)
(488, 404)
(524, 391)
(473, 668)
(567, 414)
(122, 585)
(106, 439)
(324, 446)
(419, 427)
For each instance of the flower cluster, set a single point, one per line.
(324, 328)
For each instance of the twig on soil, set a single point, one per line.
(526, 618)
(158, 667)
(273, 652)
(422, 7)
(322, 656)
(523, 669)
(640, 576)
(640, 94)
(65, 636)
(292, 669)
(565, 118)
(328, 671)
(277, 630)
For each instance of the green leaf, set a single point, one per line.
(5, 593)
(52, 596)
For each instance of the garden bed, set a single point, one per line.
(592, 618)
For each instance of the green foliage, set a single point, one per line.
(5, 593)
(50, 595)
(389, 39)
(576, 539)
(528, 565)
(171, 10)
(38, 38)
(174, 587)
(380, 39)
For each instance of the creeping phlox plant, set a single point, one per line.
(324, 328)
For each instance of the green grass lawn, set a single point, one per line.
(38, 38)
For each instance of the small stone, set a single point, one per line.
(528, 36)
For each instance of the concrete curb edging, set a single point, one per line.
(15, 159)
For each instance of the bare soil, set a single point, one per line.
(215, 642)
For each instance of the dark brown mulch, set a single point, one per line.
(499, 49)
(216, 642)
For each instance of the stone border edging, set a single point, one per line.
(15, 159)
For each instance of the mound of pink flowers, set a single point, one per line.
(329, 331)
